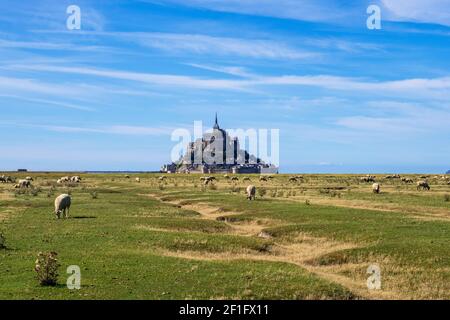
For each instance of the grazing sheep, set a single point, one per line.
(407, 180)
(234, 179)
(162, 178)
(62, 205)
(262, 178)
(29, 178)
(226, 176)
(23, 184)
(207, 180)
(293, 179)
(6, 179)
(246, 179)
(423, 185)
(75, 179)
(251, 192)
(393, 176)
(138, 180)
(376, 188)
(367, 179)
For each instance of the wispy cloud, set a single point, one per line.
(429, 11)
(309, 10)
(115, 129)
(39, 102)
(438, 88)
(42, 45)
(212, 45)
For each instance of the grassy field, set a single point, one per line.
(177, 239)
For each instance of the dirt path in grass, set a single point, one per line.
(300, 251)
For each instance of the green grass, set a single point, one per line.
(128, 244)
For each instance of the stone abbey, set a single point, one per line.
(218, 152)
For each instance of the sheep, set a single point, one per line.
(162, 178)
(262, 178)
(234, 179)
(75, 179)
(422, 184)
(29, 178)
(251, 192)
(127, 176)
(207, 180)
(6, 179)
(293, 179)
(367, 179)
(226, 176)
(62, 205)
(407, 180)
(138, 180)
(23, 184)
(376, 188)
(246, 179)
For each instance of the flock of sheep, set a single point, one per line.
(63, 201)
(420, 185)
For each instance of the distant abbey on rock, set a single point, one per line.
(217, 152)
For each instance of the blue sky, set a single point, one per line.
(108, 96)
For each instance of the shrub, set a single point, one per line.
(307, 202)
(46, 267)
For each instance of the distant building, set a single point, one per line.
(217, 152)
(22, 170)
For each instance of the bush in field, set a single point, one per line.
(46, 267)
(2, 241)
(307, 202)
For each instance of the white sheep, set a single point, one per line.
(251, 192)
(62, 205)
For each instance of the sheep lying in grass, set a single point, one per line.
(62, 205)
(423, 185)
(376, 188)
(251, 192)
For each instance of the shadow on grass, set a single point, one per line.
(83, 217)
